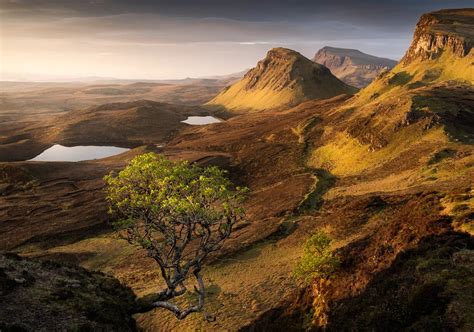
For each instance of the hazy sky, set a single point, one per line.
(160, 39)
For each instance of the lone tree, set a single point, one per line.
(318, 260)
(179, 213)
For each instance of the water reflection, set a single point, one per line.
(77, 153)
(201, 120)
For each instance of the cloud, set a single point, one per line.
(193, 37)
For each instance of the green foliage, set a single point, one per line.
(318, 259)
(178, 212)
(153, 187)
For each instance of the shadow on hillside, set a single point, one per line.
(452, 106)
(314, 200)
(427, 288)
(54, 239)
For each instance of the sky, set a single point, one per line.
(172, 39)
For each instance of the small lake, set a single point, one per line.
(201, 120)
(77, 153)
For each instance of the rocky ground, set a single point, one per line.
(46, 296)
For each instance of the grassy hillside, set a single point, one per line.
(424, 104)
(283, 78)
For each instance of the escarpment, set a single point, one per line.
(442, 31)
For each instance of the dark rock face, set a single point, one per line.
(47, 296)
(352, 66)
(445, 30)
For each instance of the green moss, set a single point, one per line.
(314, 200)
(400, 78)
(416, 85)
(432, 74)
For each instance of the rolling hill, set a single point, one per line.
(127, 124)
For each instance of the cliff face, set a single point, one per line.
(352, 66)
(283, 78)
(445, 30)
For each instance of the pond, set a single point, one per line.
(77, 153)
(201, 120)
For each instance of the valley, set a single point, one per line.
(386, 171)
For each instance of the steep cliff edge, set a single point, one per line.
(442, 31)
(428, 92)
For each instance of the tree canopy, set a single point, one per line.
(179, 213)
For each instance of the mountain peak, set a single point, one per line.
(283, 78)
(352, 66)
(282, 52)
(340, 50)
(282, 68)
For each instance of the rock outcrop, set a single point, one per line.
(352, 66)
(445, 30)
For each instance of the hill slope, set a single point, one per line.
(133, 123)
(283, 78)
(61, 298)
(128, 124)
(405, 141)
(352, 66)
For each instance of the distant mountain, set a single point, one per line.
(352, 66)
(236, 75)
(283, 78)
(204, 80)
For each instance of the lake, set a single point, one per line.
(201, 120)
(77, 153)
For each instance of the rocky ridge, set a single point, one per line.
(353, 66)
(444, 30)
